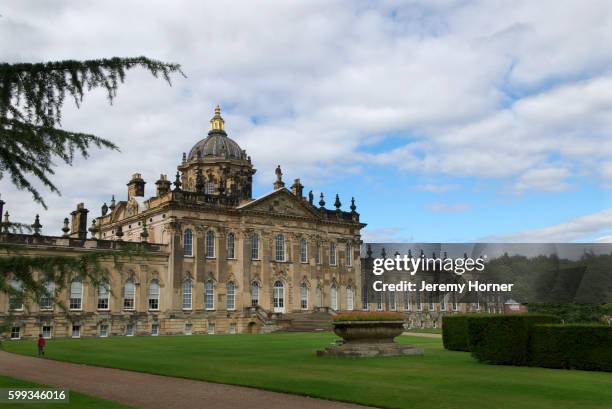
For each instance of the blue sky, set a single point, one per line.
(447, 120)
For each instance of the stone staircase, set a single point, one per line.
(308, 321)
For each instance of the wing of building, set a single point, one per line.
(218, 260)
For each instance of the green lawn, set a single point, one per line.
(287, 362)
(77, 400)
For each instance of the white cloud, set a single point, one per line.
(449, 207)
(587, 228)
(491, 89)
(546, 180)
(437, 188)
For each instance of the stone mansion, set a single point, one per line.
(217, 259)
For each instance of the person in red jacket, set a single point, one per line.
(41, 345)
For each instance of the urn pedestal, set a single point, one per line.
(369, 339)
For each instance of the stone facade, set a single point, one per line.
(223, 261)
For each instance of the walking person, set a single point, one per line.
(41, 345)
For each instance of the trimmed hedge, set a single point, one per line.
(455, 334)
(504, 339)
(575, 346)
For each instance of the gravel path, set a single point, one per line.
(152, 391)
(422, 334)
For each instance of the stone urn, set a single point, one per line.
(369, 338)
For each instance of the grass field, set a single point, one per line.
(286, 362)
(77, 400)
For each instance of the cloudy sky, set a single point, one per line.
(447, 120)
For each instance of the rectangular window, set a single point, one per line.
(209, 296)
(211, 328)
(154, 330)
(16, 333)
(349, 298)
(254, 246)
(442, 302)
(129, 330)
(392, 303)
(407, 301)
(129, 295)
(231, 296)
(349, 255)
(303, 251)
(47, 331)
(46, 302)
(432, 306)
(187, 295)
(232, 328)
(318, 253)
(254, 295)
(379, 301)
(419, 301)
(103, 297)
(304, 297)
(103, 330)
(76, 295)
(280, 248)
(188, 329)
(332, 254)
(76, 331)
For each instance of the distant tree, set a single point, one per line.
(32, 141)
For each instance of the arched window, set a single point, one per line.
(319, 294)
(187, 286)
(231, 296)
(129, 295)
(188, 243)
(280, 247)
(254, 294)
(210, 244)
(332, 254)
(103, 292)
(76, 294)
(278, 296)
(364, 298)
(304, 296)
(318, 253)
(154, 295)
(334, 297)
(231, 246)
(349, 297)
(254, 246)
(209, 295)
(303, 251)
(46, 300)
(16, 297)
(349, 255)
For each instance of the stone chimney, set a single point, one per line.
(136, 186)
(163, 185)
(297, 188)
(79, 222)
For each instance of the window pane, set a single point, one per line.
(210, 244)
(304, 296)
(255, 246)
(280, 247)
(334, 297)
(103, 291)
(332, 254)
(187, 295)
(349, 298)
(76, 294)
(154, 295)
(231, 296)
(303, 251)
(231, 246)
(188, 243)
(209, 296)
(46, 301)
(129, 293)
(254, 294)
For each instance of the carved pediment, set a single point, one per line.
(281, 202)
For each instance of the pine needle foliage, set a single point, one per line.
(31, 100)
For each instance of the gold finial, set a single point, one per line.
(217, 123)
